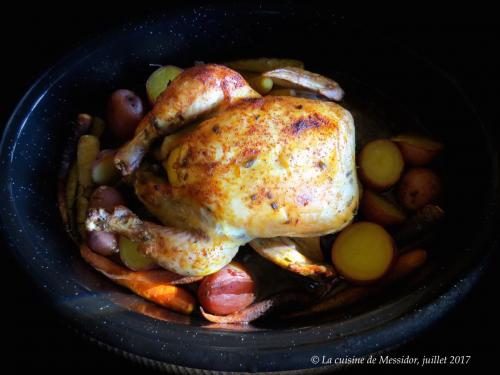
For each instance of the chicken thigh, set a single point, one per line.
(259, 167)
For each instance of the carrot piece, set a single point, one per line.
(154, 285)
(405, 264)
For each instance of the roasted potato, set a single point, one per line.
(417, 150)
(124, 111)
(419, 187)
(380, 164)
(259, 83)
(102, 243)
(363, 252)
(159, 80)
(376, 208)
(106, 197)
(132, 257)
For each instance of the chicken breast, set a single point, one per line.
(263, 167)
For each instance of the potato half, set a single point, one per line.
(380, 210)
(380, 164)
(417, 150)
(363, 252)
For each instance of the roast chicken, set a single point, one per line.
(252, 168)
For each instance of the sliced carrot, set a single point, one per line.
(407, 263)
(154, 285)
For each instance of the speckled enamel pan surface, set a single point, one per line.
(388, 88)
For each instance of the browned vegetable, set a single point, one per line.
(106, 197)
(293, 77)
(259, 309)
(88, 149)
(406, 264)
(152, 285)
(104, 171)
(102, 243)
(380, 164)
(124, 111)
(417, 150)
(377, 209)
(311, 246)
(132, 257)
(69, 195)
(363, 252)
(227, 291)
(293, 256)
(68, 173)
(98, 126)
(424, 222)
(182, 280)
(159, 80)
(258, 82)
(263, 64)
(419, 187)
(295, 92)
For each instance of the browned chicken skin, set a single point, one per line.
(257, 168)
(196, 92)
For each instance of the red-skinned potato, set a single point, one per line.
(363, 252)
(378, 209)
(227, 291)
(104, 171)
(107, 198)
(124, 111)
(418, 187)
(103, 243)
(380, 164)
(417, 150)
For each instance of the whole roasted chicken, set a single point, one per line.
(247, 168)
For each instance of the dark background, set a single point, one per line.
(464, 42)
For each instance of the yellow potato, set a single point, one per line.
(417, 150)
(363, 252)
(377, 209)
(159, 80)
(380, 164)
(258, 82)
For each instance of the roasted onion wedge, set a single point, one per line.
(293, 77)
(293, 256)
(259, 309)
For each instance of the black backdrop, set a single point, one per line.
(462, 41)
